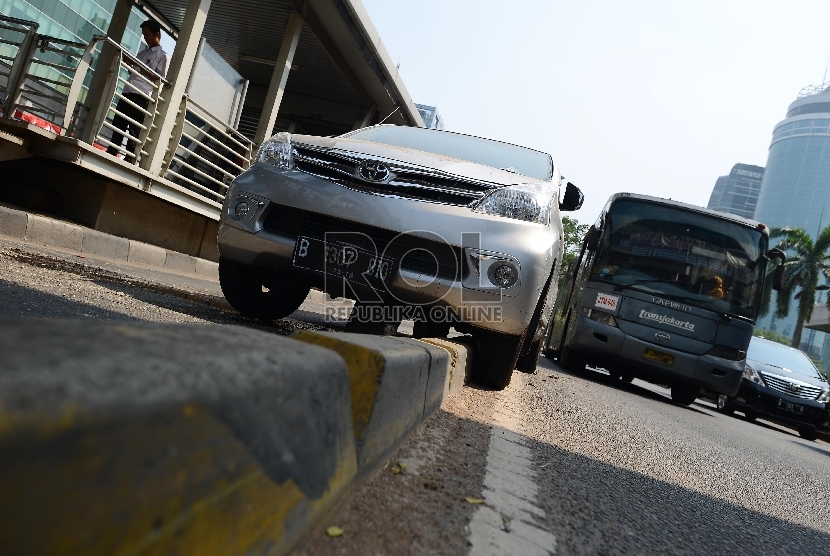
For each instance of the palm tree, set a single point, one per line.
(807, 262)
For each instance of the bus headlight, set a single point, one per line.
(277, 152)
(530, 202)
(600, 317)
(726, 352)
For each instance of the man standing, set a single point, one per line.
(138, 91)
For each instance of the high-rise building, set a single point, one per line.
(432, 119)
(795, 190)
(737, 193)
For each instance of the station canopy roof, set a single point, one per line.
(341, 71)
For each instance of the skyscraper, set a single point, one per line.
(432, 119)
(795, 190)
(737, 193)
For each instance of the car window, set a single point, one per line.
(519, 160)
(779, 355)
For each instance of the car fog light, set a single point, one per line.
(504, 274)
(242, 210)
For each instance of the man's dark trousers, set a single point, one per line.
(125, 125)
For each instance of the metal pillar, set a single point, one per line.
(181, 65)
(107, 60)
(282, 67)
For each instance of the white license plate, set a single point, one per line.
(791, 407)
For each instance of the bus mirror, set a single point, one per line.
(778, 278)
(592, 241)
(573, 198)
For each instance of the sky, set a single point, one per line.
(654, 97)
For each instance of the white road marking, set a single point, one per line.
(506, 523)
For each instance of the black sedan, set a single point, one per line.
(782, 385)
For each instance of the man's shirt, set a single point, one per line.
(154, 58)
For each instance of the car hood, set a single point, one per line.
(778, 371)
(455, 166)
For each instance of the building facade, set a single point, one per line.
(737, 193)
(795, 190)
(432, 119)
(71, 20)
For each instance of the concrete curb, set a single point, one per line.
(147, 438)
(51, 232)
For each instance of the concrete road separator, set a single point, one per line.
(147, 438)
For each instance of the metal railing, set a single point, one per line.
(112, 110)
(25, 93)
(205, 154)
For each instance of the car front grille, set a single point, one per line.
(791, 388)
(410, 183)
(415, 254)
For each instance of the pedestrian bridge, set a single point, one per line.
(241, 71)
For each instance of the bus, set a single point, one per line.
(665, 292)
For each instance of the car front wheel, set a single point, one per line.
(807, 433)
(261, 293)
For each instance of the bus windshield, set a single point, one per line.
(683, 255)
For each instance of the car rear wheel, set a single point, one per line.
(259, 292)
(684, 394)
(495, 359)
(807, 433)
(725, 405)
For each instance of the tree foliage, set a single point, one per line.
(772, 336)
(574, 234)
(806, 263)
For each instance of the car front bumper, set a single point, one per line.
(532, 247)
(764, 402)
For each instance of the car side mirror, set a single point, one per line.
(573, 198)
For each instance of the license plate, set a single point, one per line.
(791, 407)
(659, 357)
(345, 261)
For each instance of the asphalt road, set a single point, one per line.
(557, 463)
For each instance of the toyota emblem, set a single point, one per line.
(662, 336)
(795, 388)
(372, 171)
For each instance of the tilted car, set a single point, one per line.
(782, 385)
(442, 228)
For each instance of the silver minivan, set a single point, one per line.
(441, 228)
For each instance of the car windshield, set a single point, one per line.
(784, 357)
(519, 160)
(684, 255)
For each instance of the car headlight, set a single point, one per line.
(277, 152)
(752, 375)
(530, 202)
(824, 397)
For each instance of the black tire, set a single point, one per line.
(261, 293)
(495, 359)
(572, 361)
(552, 354)
(725, 405)
(750, 415)
(426, 329)
(527, 363)
(627, 377)
(808, 434)
(684, 394)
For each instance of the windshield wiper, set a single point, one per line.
(621, 287)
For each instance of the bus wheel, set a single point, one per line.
(552, 354)
(495, 359)
(684, 394)
(725, 406)
(627, 377)
(571, 360)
